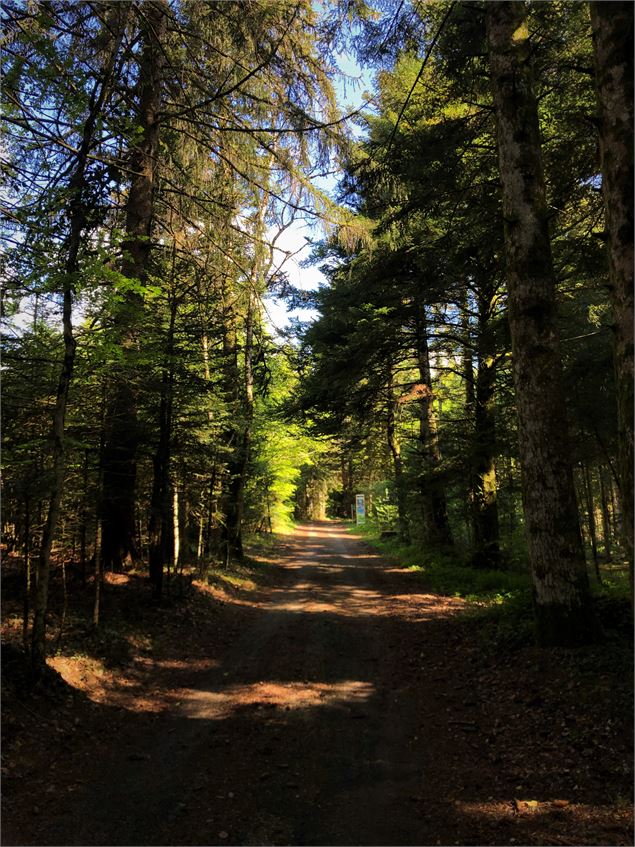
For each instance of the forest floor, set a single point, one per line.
(318, 696)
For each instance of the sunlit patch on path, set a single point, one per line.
(290, 696)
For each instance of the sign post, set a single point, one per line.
(360, 509)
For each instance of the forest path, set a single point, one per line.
(340, 710)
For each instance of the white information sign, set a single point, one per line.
(360, 509)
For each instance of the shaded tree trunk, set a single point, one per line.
(120, 453)
(233, 478)
(176, 526)
(242, 392)
(590, 510)
(563, 608)
(99, 572)
(397, 461)
(83, 527)
(26, 609)
(77, 224)
(159, 504)
(435, 513)
(615, 508)
(348, 481)
(485, 523)
(38, 635)
(612, 25)
(606, 517)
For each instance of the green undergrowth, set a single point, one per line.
(248, 574)
(255, 568)
(444, 574)
(500, 599)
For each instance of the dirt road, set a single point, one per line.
(332, 716)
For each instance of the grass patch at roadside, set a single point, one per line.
(444, 574)
(500, 599)
(258, 567)
(255, 569)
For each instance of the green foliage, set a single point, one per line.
(281, 449)
(443, 574)
(615, 583)
(413, 259)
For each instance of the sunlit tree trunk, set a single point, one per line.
(561, 587)
(613, 46)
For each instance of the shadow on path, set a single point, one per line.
(335, 715)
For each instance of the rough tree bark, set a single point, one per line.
(556, 557)
(612, 25)
(120, 469)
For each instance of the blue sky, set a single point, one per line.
(350, 88)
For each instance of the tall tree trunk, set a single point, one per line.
(232, 479)
(615, 508)
(77, 220)
(241, 436)
(467, 368)
(210, 504)
(83, 527)
(606, 518)
(160, 507)
(563, 608)
(345, 511)
(590, 510)
(26, 609)
(99, 572)
(395, 452)
(120, 454)
(613, 47)
(176, 526)
(243, 394)
(348, 482)
(434, 504)
(485, 523)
